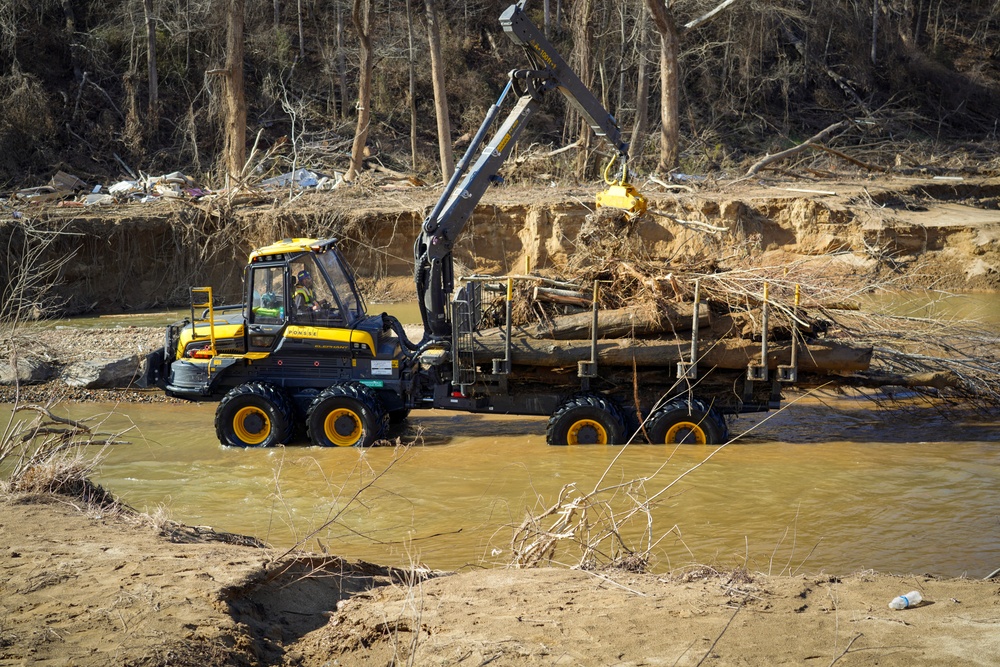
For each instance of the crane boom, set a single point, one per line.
(434, 272)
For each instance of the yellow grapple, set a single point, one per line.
(620, 194)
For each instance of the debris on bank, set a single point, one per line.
(66, 190)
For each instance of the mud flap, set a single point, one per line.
(155, 371)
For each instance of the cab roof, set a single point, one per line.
(291, 246)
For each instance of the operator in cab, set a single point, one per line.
(305, 297)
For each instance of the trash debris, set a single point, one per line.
(911, 599)
(169, 185)
(303, 178)
(123, 187)
(60, 186)
(98, 200)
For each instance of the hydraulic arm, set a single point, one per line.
(434, 273)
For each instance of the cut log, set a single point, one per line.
(619, 323)
(824, 356)
(561, 296)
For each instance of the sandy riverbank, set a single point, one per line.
(87, 586)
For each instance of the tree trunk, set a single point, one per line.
(412, 93)
(638, 138)
(618, 323)
(72, 40)
(277, 13)
(361, 15)
(440, 92)
(874, 53)
(234, 103)
(665, 25)
(302, 34)
(341, 62)
(582, 36)
(154, 98)
(729, 353)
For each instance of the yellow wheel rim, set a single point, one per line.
(343, 427)
(251, 425)
(587, 432)
(681, 430)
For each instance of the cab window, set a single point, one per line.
(313, 301)
(343, 285)
(267, 288)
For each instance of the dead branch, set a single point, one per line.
(845, 157)
(778, 157)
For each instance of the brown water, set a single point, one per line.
(982, 307)
(825, 485)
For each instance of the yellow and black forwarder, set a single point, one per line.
(301, 350)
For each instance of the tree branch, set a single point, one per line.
(690, 25)
(777, 157)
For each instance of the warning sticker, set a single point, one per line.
(382, 366)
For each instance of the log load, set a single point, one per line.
(729, 353)
(638, 322)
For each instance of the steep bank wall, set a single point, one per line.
(146, 256)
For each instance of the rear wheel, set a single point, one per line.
(586, 419)
(254, 415)
(681, 422)
(346, 415)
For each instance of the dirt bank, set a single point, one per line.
(92, 587)
(138, 256)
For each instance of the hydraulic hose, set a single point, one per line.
(394, 324)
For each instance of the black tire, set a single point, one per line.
(346, 415)
(397, 417)
(586, 419)
(680, 422)
(254, 415)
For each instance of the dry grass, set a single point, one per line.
(50, 454)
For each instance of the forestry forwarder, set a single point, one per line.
(278, 362)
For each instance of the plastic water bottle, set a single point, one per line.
(911, 599)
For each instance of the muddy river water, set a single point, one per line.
(828, 484)
(824, 485)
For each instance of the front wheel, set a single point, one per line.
(254, 415)
(681, 422)
(586, 419)
(398, 416)
(346, 415)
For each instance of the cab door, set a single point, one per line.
(268, 312)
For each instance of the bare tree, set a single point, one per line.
(581, 12)
(412, 92)
(642, 92)
(154, 101)
(302, 33)
(70, 16)
(234, 102)
(670, 79)
(440, 94)
(341, 61)
(361, 15)
(663, 19)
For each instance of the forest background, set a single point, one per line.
(90, 86)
